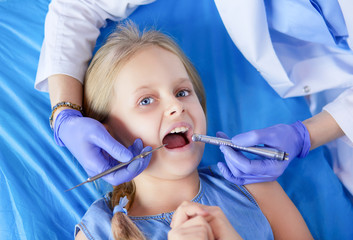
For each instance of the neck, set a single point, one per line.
(154, 195)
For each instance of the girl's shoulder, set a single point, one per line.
(214, 183)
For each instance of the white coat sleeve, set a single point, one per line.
(341, 109)
(71, 30)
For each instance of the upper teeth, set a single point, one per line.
(179, 129)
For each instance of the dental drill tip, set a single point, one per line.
(195, 137)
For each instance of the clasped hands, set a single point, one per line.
(195, 221)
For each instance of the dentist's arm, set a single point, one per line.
(322, 129)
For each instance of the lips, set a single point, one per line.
(177, 137)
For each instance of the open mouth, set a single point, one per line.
(177, 138)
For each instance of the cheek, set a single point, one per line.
(120, 131)
(200, 118)
(145, 127)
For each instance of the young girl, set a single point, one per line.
(143, 86)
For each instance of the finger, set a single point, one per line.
(235, 172)
(222, 135)
(227, 174)
(267, 167)
(199, 224)
(185, 211)
(229, 156)
(136, 147)
(243, 179)
(141, 164)
(105, 141)
(137, 166)
(130, 171)
(119, 176)
(250, 138)
(258, 179)
(220, 225)
(126, 173)
(189, 233)
(147, 149)
(236, 161)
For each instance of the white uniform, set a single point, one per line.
(71, 30)
(296, 59)
(299, 59)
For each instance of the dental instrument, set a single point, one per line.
(267, 152)
(91, 179)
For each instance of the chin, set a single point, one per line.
(176, 167)
(176, 163)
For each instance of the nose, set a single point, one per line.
(175, 108)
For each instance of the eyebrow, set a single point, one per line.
(144, 87)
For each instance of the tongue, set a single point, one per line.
(174, 140)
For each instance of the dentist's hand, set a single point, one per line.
(95, 149)
(294, 139)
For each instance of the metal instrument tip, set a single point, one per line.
(142, 155)
(76, 186)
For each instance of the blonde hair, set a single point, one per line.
(111, 57)
(98, 90)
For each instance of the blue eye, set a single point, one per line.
(183, 93)
(146, 101)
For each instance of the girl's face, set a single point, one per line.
(154, 100)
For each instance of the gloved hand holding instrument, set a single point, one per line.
(286, 141)
(145, 153)
(95, 149)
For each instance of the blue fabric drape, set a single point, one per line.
(34, 172)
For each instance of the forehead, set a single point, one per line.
(150, 65)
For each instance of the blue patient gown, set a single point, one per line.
(236, 202)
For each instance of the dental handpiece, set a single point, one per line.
(266, 152)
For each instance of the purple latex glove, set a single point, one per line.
(95, 149)
(294, 139)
